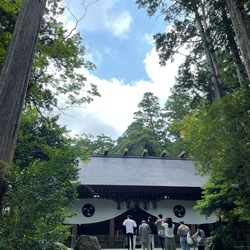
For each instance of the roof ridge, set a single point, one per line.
(141, 157)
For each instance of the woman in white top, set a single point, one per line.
(169, 234)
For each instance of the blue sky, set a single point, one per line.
(117, 36)
(119, 39)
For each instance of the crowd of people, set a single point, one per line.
(164, 228)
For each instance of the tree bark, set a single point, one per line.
(240, 68)
(241, 24)
(14, 79)
(210, 57)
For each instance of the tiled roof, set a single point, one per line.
(139, 171)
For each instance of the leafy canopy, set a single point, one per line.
(218, 138)
(42, 185)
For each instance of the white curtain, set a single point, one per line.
(180, 210)
(97, 210)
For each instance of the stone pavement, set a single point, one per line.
(193, 247)
(136, 248)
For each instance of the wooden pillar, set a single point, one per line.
(193, 230)
(111, 232)
(73, 236)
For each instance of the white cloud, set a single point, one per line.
(93, 56)
(163, 78)
(121, 24)
(148, 38)
(113, 112)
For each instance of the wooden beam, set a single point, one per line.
(73, 236)
(111, 232)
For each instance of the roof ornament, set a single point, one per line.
(125, 152)
(145, 152)
(106, 150)
(182, 154)
(163, 153)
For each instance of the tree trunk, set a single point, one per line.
(14, 79)
(210, 57)
(241, 24)
(240, 68)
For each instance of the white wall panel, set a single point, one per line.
(180, 210)
(97, 209)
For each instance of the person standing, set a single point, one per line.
(199, 237)
(182, 232)
(144, 231)
(161, 231)
(153, 232)
(130, 226)
(169, 234)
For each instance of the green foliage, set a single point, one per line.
(218, 138)
(182, 33)
(216, 133)
(38, 138)
(132, 127)
(8, 11)
(153, 128)
(147, 131)
(58, 63)
(193, 80)
(36, 204)
(97, 144)
(225, 236)
(10, 5)
(229, 233)
(177, 106)
(149, 116)
(65, 55)
(42, 185)
(149, 110)
(213, 40)
(228, 72)
(138, 140)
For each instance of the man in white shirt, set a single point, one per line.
(130, 225)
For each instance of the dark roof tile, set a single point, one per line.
(140, 171)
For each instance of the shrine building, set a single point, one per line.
(112, 187)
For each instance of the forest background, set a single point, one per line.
(206, 115)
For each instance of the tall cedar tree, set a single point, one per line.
(14, 79)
